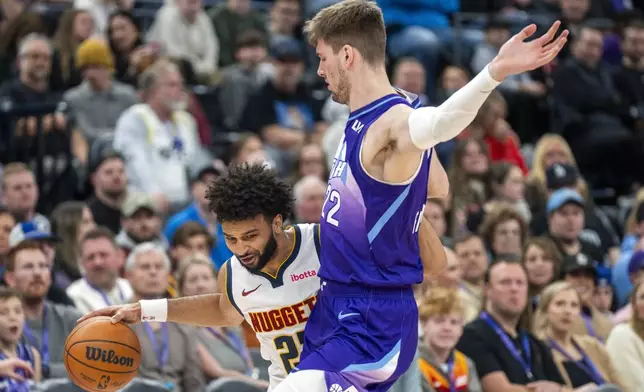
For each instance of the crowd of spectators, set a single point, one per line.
(115, 115)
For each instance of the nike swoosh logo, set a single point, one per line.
(343, 316)
(245, 293)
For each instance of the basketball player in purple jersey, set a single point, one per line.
(362, 333)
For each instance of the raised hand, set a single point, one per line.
(128, 313)
(517, 56)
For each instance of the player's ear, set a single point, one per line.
(278, 223)
(347, 55)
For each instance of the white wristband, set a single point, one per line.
(154, 310)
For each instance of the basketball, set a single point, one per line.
(101, 356)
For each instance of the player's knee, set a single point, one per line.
(303, 380)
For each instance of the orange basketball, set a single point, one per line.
(101, 356)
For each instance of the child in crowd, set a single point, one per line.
(19, 362)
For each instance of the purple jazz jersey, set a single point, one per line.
(368, 228)
(363, 330)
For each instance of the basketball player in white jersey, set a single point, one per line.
(271, 281)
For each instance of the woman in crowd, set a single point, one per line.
(467, 177)
(550, 149)
(582, 361)
(541, 260)
(625, 344)
(130, 57)
(70, 221)
(505, 185)
(222, 351)
(504, 231)
(75, 26)
(310, 161)
(444, 368)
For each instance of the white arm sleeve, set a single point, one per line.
(432, 125)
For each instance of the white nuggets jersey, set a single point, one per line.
(278, 307)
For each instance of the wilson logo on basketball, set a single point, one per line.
(304, 275)
(107, 356)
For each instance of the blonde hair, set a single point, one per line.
(439, 301)
(12, 169)
(356, 23)
(537, 175)
(545, 299)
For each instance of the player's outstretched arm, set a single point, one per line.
(432, 252)
(426, 127)
(199, 310)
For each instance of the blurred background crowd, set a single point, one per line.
(115, 115)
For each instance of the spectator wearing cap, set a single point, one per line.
(604, 298)
(232, 19)
(283, 111)
(101, 262)
(20, 195)
(108, 178)
(7, 222)
(199, 212)
(187, 33)
(582, 272)
(98, 102)
(29, 272)
(565, 223)
(159, 138)
(240, 80)
(27, 231)
(635, 276)
(598, 228)
(140, 223)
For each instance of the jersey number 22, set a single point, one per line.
(332, 197)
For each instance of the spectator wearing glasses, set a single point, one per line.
(29, 273)
(159, 138)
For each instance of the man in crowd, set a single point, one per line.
(101, 262)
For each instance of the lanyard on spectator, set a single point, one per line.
(44, 352)
(24, 353)
(527, 367)
(163, 351)
(104, 294)
(235, 343)
(585, 364)
(450, 373)
(589, 326)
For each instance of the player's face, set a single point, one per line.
(332, 71)
(11, 319)
(252, 241)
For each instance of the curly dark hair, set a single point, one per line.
(250, 190)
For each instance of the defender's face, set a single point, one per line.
(332, 71)
(250, 240)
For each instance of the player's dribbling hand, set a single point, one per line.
(518, 56)
(128, 313)
(9, 368)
